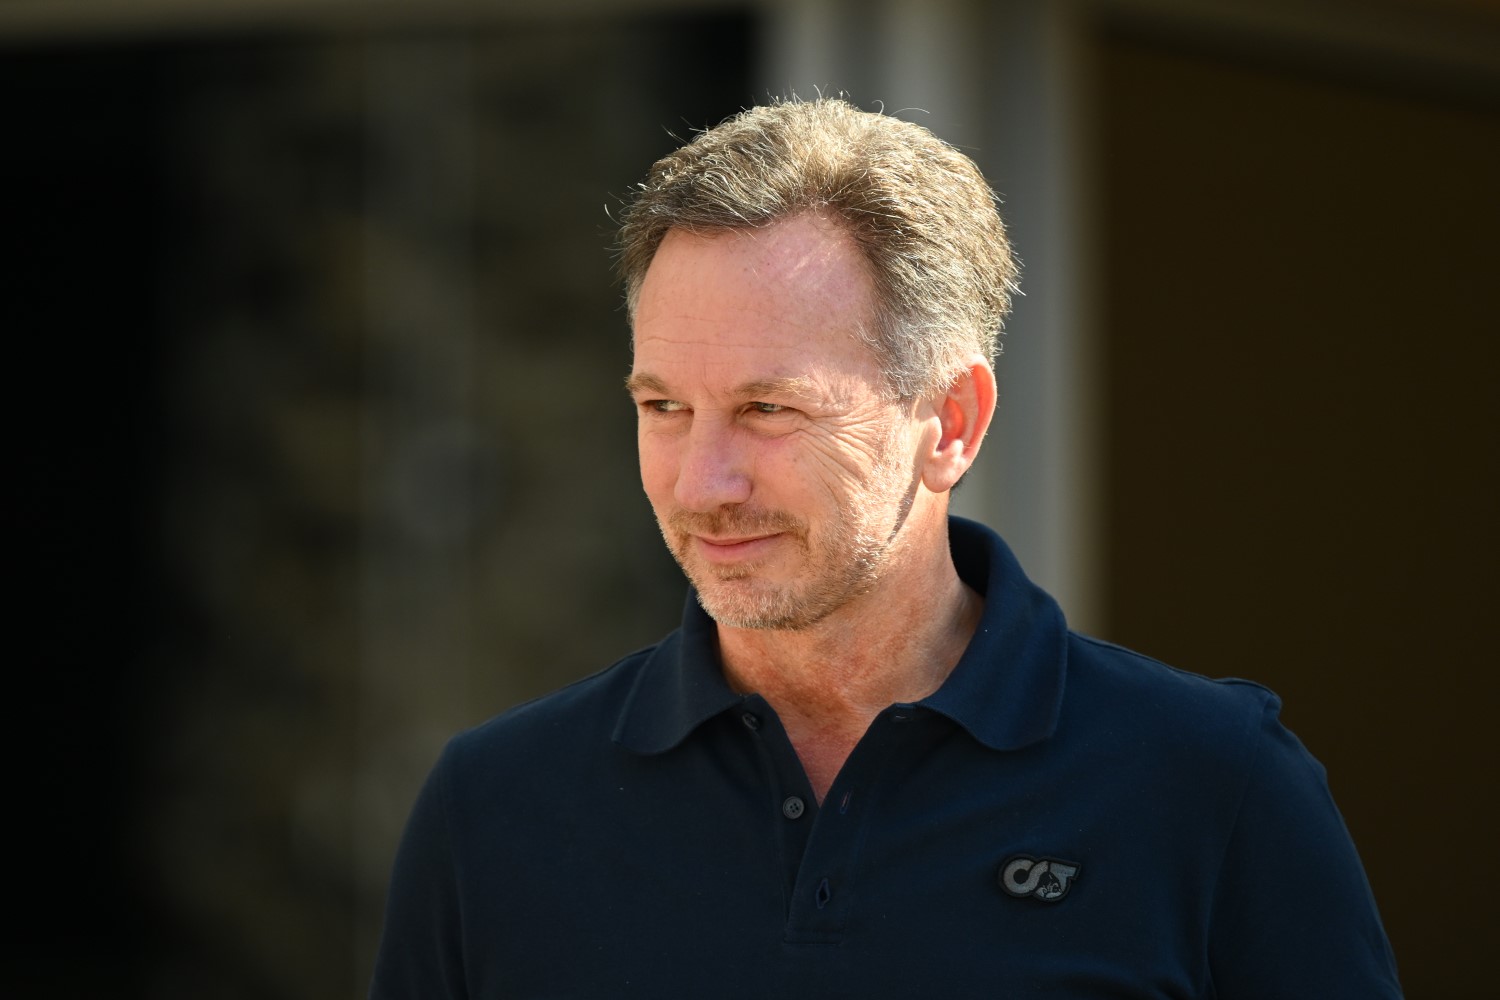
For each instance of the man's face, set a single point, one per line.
(779, 471)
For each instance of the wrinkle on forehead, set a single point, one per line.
(805, 269)
(745, 313)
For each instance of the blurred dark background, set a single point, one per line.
(316, 365)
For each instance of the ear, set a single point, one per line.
(963, 415)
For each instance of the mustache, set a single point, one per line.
(734, 521)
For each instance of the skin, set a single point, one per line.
(808, 508)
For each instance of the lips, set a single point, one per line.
(741, 540)
(734, 549)
(734, 540)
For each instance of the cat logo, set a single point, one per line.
(1047, 879)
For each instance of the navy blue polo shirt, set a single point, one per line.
(1063, 817)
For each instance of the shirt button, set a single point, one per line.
(793, 807)
(751, 721)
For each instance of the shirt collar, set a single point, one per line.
(1006, 690)
(679, 687)
(1007, 687)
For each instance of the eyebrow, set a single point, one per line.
(645, 382)
(791, 385)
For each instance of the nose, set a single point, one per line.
(712, 469)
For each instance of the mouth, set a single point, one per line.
(729, 549)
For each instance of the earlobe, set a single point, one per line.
(963, 415)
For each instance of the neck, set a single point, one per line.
(898, 643)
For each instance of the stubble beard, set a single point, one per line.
(838, 564)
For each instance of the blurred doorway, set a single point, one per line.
(1300, 420)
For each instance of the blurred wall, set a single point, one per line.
(1300, 341)
(331, 454)
(325, 455)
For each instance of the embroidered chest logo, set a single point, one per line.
(1047, 879)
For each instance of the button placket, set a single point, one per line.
(795, 812)
(827, 879)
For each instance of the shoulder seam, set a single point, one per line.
(520, 706)
(1269, 706)
(1113, 647)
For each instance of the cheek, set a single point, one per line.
(800, 479)
(658, 468)
(833, 466)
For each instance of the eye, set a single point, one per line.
(767, 408)
(662, 405)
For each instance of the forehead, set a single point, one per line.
(784, 300)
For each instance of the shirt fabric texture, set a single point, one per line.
(649, 832)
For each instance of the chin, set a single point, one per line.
(756, 620)
(734, 603)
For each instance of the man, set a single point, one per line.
(872, 761)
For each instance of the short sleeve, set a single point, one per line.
(421, 954)
(1293, 914)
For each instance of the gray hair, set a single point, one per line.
(918, 209)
